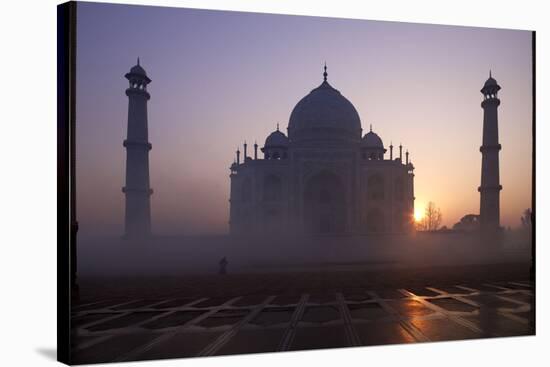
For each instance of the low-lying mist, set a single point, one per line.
(173, 255)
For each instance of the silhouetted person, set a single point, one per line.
(223, 266)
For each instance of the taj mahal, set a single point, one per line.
(323, 177)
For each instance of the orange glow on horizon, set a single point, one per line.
(418, 214)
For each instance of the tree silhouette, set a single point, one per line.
(432, 218)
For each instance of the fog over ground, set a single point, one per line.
(178, 255)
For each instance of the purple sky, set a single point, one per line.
(220, 78)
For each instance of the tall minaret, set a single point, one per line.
(137, 190)
(489, 190)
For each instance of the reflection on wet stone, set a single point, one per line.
(410, 307)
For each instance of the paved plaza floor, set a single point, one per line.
(173, 317)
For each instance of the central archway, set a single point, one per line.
(325, 204)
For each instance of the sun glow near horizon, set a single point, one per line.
(418, 213)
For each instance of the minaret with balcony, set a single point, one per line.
(490, 182)
(137, 190)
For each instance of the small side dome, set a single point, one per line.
(372, 146)
(276, 145)
(276, 139)
(372, 140)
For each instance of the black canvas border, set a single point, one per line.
(66, 203)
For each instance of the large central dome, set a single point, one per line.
(324, 114)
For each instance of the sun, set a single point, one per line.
(418, 214)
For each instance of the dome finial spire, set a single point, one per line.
(490, 76)
(277, 126)
(371, 128)
(138, 60)
(325, 72)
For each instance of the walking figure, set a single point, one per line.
(223, 266)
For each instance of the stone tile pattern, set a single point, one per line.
(118, 329)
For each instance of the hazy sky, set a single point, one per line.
(220, 78)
